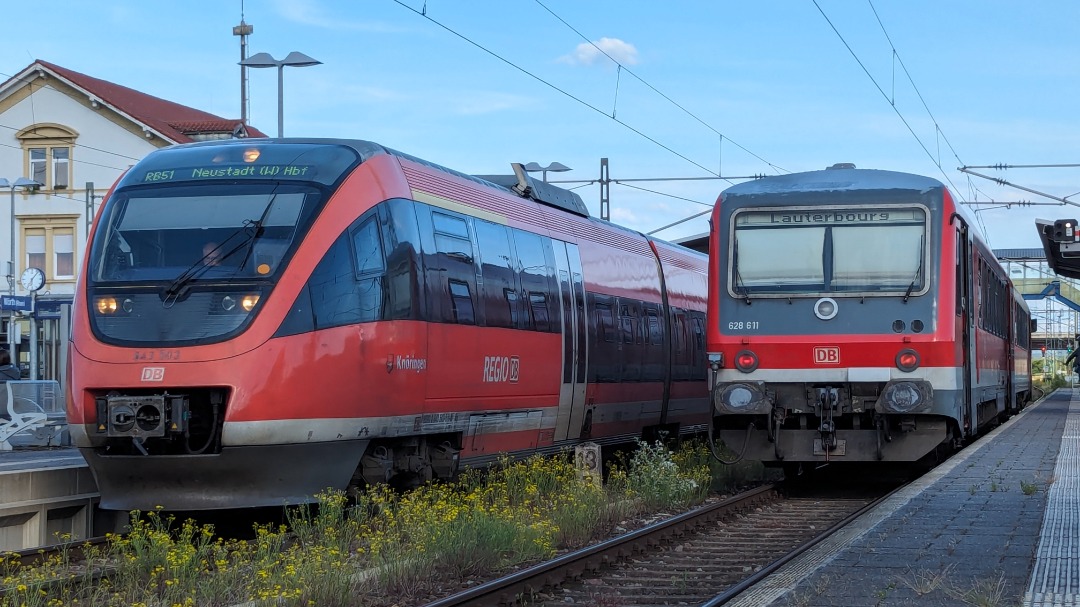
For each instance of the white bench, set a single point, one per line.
(32, 414)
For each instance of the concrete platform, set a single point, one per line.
(997, 524)
(46, 492)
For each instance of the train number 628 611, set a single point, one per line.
(739, 325)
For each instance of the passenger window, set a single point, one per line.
(499, 291)
(537, 275)
(462, 301)
(626, 324)
(452, 236)
(368, 248)
(604, 322)
(653, 334)
(538, 308)
(451, 271)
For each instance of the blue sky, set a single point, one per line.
(999, 79)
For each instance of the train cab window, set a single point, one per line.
(498, 291)
(812, 251)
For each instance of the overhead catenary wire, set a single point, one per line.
(885, 95)
(657, 91)
(557, 88)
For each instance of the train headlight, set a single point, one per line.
(905, 396)
(236, 303)
(907, 360)
(741, 397)
(746, 361)
(106, 305)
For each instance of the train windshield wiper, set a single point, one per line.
(740, 288)
(918, 271)
(250, 231)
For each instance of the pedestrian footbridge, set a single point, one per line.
(1033, 277)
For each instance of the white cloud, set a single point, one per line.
(589, 53)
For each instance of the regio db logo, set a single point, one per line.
(501, 369)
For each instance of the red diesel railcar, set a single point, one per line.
(855, 316)
(258, 320)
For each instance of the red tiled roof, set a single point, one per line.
(174, 121)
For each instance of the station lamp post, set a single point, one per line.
(293, 59)
(554, 167)
(23, 183)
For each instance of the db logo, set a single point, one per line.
(501, 369)
(153, 374)
(826, 355)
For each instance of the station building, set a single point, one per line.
(73, 135)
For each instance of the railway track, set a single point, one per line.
(690, 559)
(35, 557)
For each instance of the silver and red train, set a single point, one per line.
(258, 320)
(854, 316)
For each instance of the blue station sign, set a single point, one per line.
(18, 303)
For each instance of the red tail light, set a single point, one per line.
(907, 360)
(746, 361)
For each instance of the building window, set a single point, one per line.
(37, 165)
(47, 151)
(35, 248)
(61, 168)
(48, 243)
(64, 253)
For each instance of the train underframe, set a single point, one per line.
(782, 424)
(158, 447)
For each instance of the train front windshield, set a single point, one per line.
(158, 233)
(810, 251)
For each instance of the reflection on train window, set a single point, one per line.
(369, 254)
(498, 290)
(451, 234)
(535, 271)
(462, 302)
(538, 309)
(626, 324)
(337, 296)
(816, 250)
(604, 324)
(158, 234)
(653, 335)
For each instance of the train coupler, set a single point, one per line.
(827, 400)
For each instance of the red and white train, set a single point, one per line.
(258, 320)
(854, 315)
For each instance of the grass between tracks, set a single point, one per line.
(384, 548)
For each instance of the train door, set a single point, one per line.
(571, 417)
(965, 276)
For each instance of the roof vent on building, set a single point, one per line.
(841, 165)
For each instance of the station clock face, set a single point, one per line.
(32, 279)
